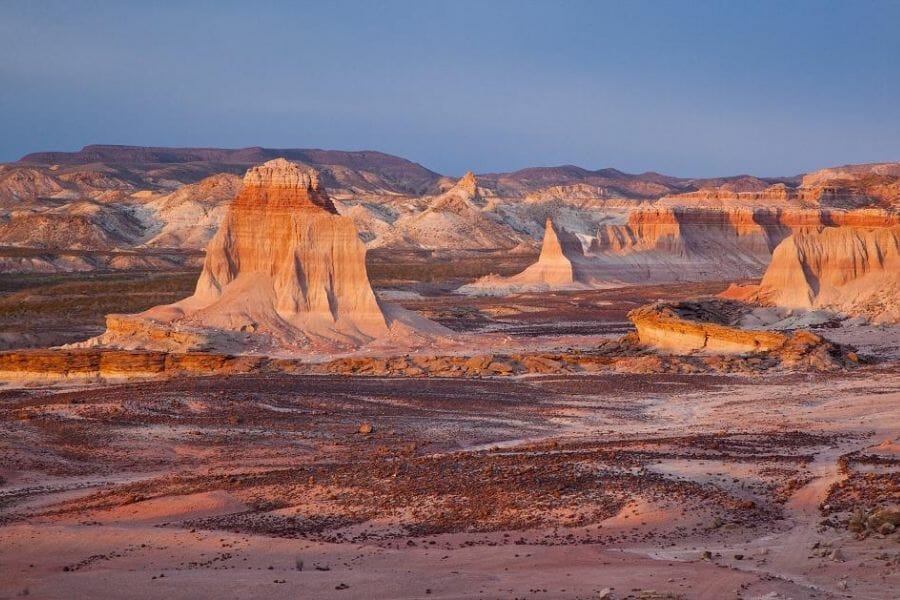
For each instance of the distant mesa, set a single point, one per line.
(284, 273)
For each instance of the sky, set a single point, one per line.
(691, 88)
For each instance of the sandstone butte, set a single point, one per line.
(850, 270)
(285, 273)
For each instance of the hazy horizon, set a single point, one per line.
(691, 90)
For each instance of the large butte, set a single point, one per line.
(285, 273)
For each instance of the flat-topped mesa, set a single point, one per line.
(284, 272)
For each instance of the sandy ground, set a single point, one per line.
(641, 486)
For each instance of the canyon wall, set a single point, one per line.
(852, 270)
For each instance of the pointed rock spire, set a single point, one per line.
(553, 266)
(468, 182)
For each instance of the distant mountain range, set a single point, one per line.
(119, 207)
(391, 173)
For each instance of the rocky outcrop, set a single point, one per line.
(283, 273)
(625, 355)
(697, 327)
(454, 220)
(558, 267)
(76, 364)
(712, 327)
(851, 270)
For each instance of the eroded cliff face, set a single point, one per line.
(849, 269)
(284, 272)
(721, 239)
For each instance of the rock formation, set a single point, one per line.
(553, 268)
(283, 273)
(454, 220)
(636, 228)
(850, 270)
(713, 327)
(190, 216)
(709, 327)
(558, 268)
(712, 235)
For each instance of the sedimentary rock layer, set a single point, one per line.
(54, 364)
(685, 328)
(710, 327)
(852, 270)
(284, 271)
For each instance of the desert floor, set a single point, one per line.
(545, 487)
(686, 486)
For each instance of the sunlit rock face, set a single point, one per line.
(712, 327)
(558, 267)
(283, 272)
(283, 256)
(554, 267)
(851, 270)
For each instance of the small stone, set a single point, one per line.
(365, 429)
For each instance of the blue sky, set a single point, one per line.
(688, 88)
